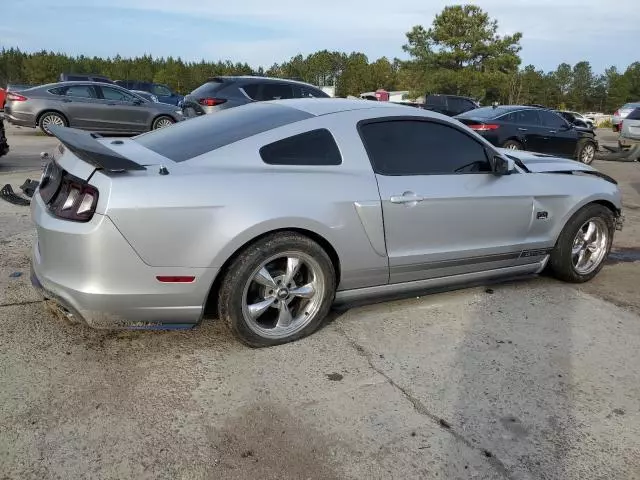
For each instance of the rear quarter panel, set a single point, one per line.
(209, 207)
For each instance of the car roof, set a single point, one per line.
(326, 106)
(253, 78)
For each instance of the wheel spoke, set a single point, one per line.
(293, 265)
(257, 309)
(581, 256)
(264, 278)
(305, 291)
(284, 318)
(591, 229)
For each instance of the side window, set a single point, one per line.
(114, 94)
(160, 90)
(410, 147)
(306, 92)
(317, 147)
(252, 91)
(634, 115)
(276, 91)
(527, 117)
(82, 91)
(509, 117)
(57, 91)
(551, 120)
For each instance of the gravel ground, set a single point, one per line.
(525, 380)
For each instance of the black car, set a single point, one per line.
(224, 92)
(450, 105)
(534, 129)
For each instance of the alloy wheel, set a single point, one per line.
(283, 295)
(587, 154)
(51, 120)
(590, 246)
(163, 122)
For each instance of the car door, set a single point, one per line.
(81, 106)
(445, 212)
(530, 129)
(562, 137)
(123, 111)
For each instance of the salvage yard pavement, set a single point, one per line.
(534, 379)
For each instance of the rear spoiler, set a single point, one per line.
(86, 147)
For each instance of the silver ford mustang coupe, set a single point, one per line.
(272, 212)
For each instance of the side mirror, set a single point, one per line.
(502, 166)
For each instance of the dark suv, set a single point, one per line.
(220, 93)
(83, 77)
(162, 92)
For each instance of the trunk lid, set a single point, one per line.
(82, 153)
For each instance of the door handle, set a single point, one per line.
(552, 131)
(406, 197)
(520, 129)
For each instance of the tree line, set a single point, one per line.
(460, 53)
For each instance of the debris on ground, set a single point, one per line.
(7, 193)
(618, 154)
(29, 187)
(15, 274)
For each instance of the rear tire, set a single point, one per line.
(566, 263)
(512, 145)
(162, 122)
(48, 119)
(277, 290)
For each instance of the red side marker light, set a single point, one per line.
(175, 279)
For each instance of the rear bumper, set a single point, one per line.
(20, 119)
(93, 273)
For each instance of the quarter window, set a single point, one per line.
(317, 147)
(410, 147)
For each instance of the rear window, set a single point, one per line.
(314, 148)
(485, 112)
(634, 115)
(191, 138)
(207, 88)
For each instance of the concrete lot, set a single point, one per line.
(533, 379)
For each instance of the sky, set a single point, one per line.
(261, 32)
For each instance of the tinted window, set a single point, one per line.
(252, 90)
(486, 112)
(317, 147)
(161, 90)
(276, 91)
(459, 104)
(527, 117)
(306, 92)
(83, 91)
(409, 147)
(634, 115)
(114, 94)
(509, 117)
(208, 88)
(57, 91)
(186, 140)
(552, 120)
(437, 100)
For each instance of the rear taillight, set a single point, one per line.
(14, 97)
(484, 127)
(211, 102)
(67, 196)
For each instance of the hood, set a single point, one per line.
(539, 162)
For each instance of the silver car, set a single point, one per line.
(271, 212)
(620, 114)
(93, 106)
(630, 129)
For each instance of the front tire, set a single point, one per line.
(586, 151)
(277, 290)
(162, 122)
(583, 245)
(49, 119)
